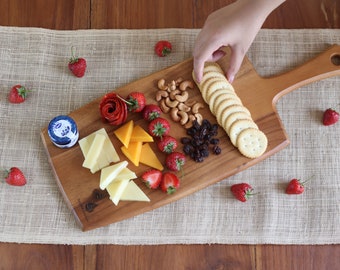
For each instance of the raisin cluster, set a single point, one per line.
(201, 141)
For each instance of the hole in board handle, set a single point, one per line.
(335, 59)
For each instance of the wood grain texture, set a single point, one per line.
(41, 257)
(77, 14)
(169, 257)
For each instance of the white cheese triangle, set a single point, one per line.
(133, 193)
(116, 189)
(109, 173)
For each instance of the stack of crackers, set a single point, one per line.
(230, 113)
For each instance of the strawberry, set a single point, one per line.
(163, 48)
(242, 191)
(295, 186)
(15, 177)
(170, 183)
(17, 94)
(152, 178)
(175, 161)
(151, 112)
(330, 117)
(167, 144)
(159, 127)
(77, 65)
(136, 101)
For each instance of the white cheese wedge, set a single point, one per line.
(126, 173)
(116, 189)
(94, 152)
(108, 153)
(133, 193)
(110, 173)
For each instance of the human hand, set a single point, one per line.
(236, 26)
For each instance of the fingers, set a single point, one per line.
(235, 62)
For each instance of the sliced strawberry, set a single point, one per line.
(170, 183)
(152, 178)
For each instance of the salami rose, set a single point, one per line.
(113, 109)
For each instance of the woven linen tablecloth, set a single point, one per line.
(37, 213)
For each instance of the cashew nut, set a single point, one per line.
(184, 117)
(196, 107)
(174, 115)
(163, 106)
(192, 118)
(178, 81)
(174, 93)
(199, 118)
(172, 86)
(161, 85)
(161, 94)
(171, 103)
(190, 102)
(183, 107)
(186, 84)
(182, 97)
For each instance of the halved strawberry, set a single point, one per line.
(152, 178)
(170, 183)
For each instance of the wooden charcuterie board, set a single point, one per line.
(79, 186)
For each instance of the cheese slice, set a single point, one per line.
(149, 158)
(140, 135)
(126, 173)
(109, 174)
(94, 151)
(124, 133)
(133, 193)
(116, 189)
(108, 153)
(133, 152)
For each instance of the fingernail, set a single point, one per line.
(231, 78)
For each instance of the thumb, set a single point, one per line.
(235, 62)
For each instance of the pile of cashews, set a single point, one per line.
(173, 98)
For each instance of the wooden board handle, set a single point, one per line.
(325, 65)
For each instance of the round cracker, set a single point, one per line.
(232, 117)
(212, 66)
(212, 85)
(237, 127)
(252, 142)
(228, 99)
(225, 112)
(212, 74)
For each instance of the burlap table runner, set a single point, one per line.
(37, 213)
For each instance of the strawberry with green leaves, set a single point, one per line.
(163, 48)
(18, 94)
(152, 178)
(167, 144)
(77, 65)
(295, 186)
(151, 112)
(175, 161)
(135, 101)
(159, 127)
(15, 177)
(170, 183)
(330, 117)
(242, 191)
